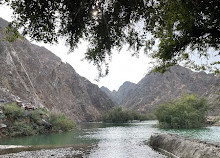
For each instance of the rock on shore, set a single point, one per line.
(184, 147)
(9, 146)
(78, 152)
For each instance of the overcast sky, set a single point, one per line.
(123, 66)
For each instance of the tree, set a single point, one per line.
(178, 24)
(186, 112)
(187, 24)
(118, 115)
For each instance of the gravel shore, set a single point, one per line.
(66, 152)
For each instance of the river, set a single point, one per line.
(114, 140)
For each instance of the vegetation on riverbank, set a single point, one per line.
(186, 112)
(118, 115)
(21, 122)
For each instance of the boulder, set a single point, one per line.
(217, 123)
(2, 125)
(184, 147)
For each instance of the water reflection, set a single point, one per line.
(67, 138)
(124, 142)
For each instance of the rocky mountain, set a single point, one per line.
(111, 94)
(157, 88)
(33, 74)
(118, 96)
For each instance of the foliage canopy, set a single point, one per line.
(61, 122)
(14, 111)
(182, 27)
(187, 112)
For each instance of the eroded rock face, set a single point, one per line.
(157, 88)
(185, 147)
(111, 94)
(38, 76)
(119, 96)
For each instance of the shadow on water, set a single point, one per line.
(75, 137)
(66, 138)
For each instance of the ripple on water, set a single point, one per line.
(123, 142)
(114, 141)
(210, 134)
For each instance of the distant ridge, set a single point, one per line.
(157, 88)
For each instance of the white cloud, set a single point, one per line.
(5, 12)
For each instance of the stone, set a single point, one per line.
(29, 107)
(184, 147)
(217, 123)
(48, 153)
(18, 102)
(3, 125)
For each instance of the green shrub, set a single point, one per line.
(37, 115)
(61, 122)
(43, 109)
(118, 115)
(37, 121)
(14, 111)
(21, 129)
(187, 112)
(149, 116)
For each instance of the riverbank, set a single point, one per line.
(112, 140)
(16, 120)
(184, 147)
(45, 151)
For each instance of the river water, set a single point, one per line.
(114, 140)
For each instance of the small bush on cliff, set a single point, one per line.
(14, 111)
(61, 122)
(36, 115)
(187, 112)
(21, 128)
(39, 114)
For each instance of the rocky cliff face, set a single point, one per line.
(111, 94)
(36, 75)
(157, 88)
(119, 96)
